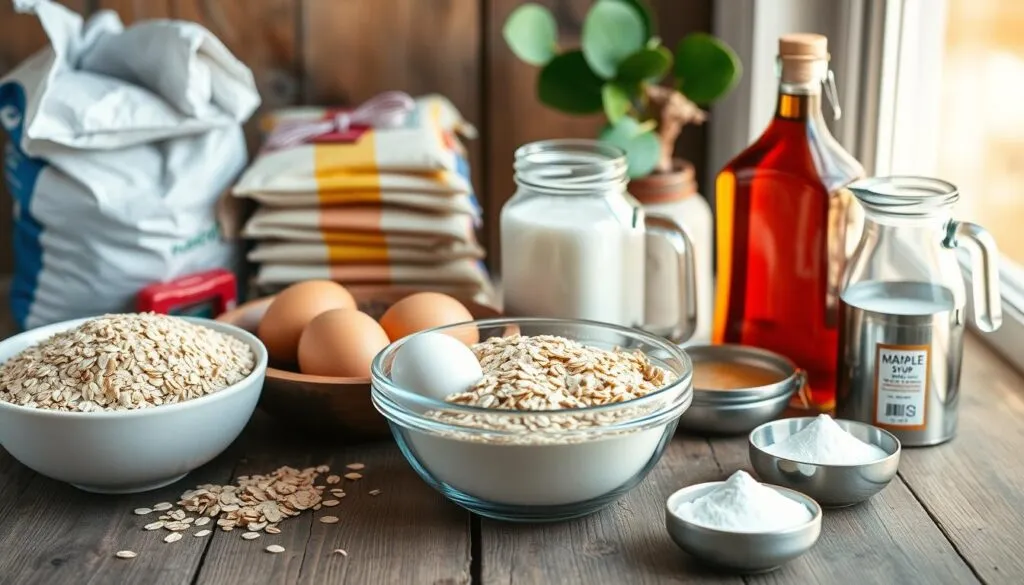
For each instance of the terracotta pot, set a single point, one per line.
(680, 183)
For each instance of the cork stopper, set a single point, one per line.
(802, 55)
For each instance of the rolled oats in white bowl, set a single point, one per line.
(569, 416)
(128, 402)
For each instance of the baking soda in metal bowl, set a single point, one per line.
(742, 504)
(824, 442)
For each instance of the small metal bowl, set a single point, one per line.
(736, 412)
(743, 552)
(833, 486)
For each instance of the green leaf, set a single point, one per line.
(645, 65)
(706, 68)
(532, 34)
(616, 101)
(640, 143)
(566, 83)
(612, 31)
(644, 10)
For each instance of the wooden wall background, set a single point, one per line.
(345, 51)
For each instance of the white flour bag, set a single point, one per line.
(120, 143)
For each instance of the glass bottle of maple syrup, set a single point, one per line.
(785, 225)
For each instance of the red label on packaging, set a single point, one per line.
(352, 134)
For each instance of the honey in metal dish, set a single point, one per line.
(723, 375)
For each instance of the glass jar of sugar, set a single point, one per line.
(573, 241)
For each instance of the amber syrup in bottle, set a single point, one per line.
(785, 225)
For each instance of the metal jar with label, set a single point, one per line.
(903, 303)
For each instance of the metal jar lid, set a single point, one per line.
(744, 354)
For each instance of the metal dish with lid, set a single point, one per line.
(733, 412)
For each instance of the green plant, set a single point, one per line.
(618, 69)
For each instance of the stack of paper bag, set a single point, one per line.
(368, 205)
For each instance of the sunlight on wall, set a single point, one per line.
(982, 133)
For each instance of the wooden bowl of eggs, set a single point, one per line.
(321, 340)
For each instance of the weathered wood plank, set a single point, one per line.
(677, 19)
(20, 36)
(407, 534)
(355, 50)
(625, 543)
(514, 115)
(888, 539)
(973, 485)
(54, 534)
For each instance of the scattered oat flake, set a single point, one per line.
(355, 467)
(250, 535)
(341, 551)
(316, 507)
(162, 506)
(274, 549)
(329, 519)
(331, 503)
(141, 512)
(272, 530)
(374, 492)
(202, 521)
(202, 533)
(333, 479)
(173, 537)
(154, 525)
(338, 492)
(353, 476)
(125, 554)
(322, 468)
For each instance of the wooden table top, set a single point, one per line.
(955, 514)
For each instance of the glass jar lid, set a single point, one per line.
(570, 166)
(907, 196)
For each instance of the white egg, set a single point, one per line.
(435, 365)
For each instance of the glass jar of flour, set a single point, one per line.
(573, 241)
(902, 309)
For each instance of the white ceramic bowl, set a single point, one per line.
(134, 450)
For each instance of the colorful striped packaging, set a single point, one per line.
(422, 155)
(319, 253)
(360, 219)
(443, 202)
(391, 205)
(469, 274)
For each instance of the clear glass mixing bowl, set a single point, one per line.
(537, 465)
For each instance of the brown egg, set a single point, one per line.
(425, 310)
(292, 309)
(340, 342)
